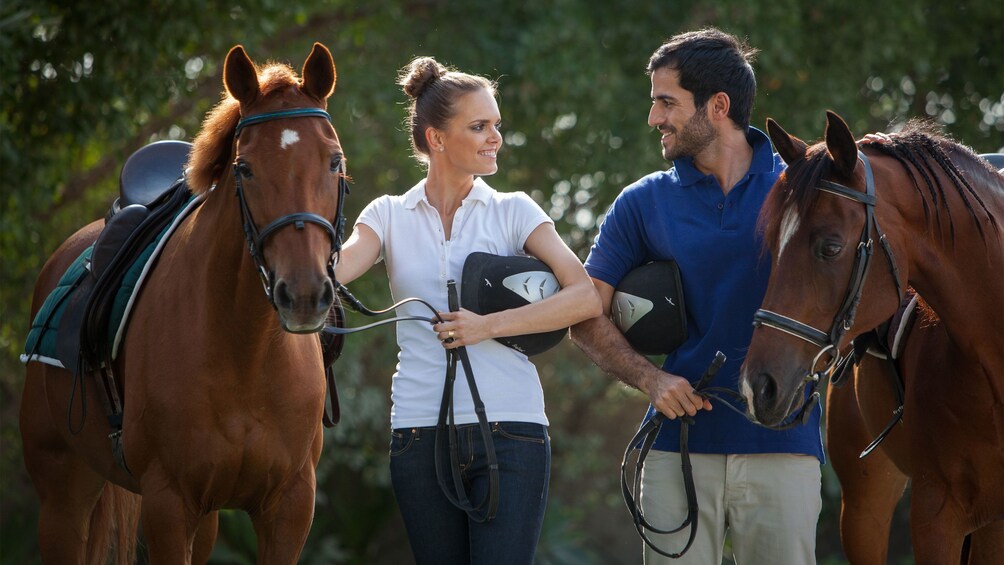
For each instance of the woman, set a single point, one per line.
(425, 236)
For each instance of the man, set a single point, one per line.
(760, 486)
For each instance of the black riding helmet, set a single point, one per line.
(492, 283)
(648, 308)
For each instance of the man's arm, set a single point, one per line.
(606, 346)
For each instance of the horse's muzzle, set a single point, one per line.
(303, 308)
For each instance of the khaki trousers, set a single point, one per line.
(768, 504)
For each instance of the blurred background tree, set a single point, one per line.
(83, 84)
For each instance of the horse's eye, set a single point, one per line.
(243, 169)
(830, 250)
(336, 164)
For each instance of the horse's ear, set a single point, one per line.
(240, 77)
(319, 73)
(840, 144)
(790, 148)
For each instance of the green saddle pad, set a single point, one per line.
(41, 342)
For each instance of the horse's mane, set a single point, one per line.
(922, 150)
(925, 314)
(211, 156)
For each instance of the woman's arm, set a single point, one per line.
(576, 301)
(358, 254)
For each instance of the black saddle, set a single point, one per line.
(152, 191)
(150, 172)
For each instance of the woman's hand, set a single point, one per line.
(879, 138)
(462, 328)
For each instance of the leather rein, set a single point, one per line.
(446, 427)
(643, 441)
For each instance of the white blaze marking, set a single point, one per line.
(789, 225)
(289, 137)
(747, 393)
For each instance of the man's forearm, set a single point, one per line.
(606, 346)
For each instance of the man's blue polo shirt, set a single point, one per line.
(683, 214)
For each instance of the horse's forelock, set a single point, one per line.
(211, 152)
(793, 190)
(276, 76)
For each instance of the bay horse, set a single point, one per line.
(940, 207)
(223, 384)
(858, 412)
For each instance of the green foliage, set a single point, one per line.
(86, 83)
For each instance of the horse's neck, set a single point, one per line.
(956, 268)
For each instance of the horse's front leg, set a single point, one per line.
(283, 521)
(870, 488)
(987, 544)
(205, 537)
(169, 524)
(938, 526)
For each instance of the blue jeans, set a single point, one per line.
(442, 534)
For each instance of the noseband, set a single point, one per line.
(256, 239)
(828, 342)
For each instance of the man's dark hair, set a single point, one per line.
(711, 61)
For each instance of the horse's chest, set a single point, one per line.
(243, 455)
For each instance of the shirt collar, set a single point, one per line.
(480, 192)
(763, 159)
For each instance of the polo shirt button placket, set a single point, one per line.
(443, 258)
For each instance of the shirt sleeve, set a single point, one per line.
(525, 215)
(620, 244)
(376, 216)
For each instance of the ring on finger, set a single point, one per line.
(449, 334)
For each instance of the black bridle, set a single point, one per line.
(829, 342)
(256, 239)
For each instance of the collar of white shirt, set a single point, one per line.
(480, 192)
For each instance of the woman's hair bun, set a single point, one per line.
(419, 74)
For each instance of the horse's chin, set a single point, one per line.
(300, 324)
(777, 413)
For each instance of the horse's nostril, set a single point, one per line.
(281, 296)
(327, 297)
(764, 388)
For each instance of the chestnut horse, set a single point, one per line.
(929, 210)
(223, 384)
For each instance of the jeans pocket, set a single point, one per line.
(401, 441)
(521, 431)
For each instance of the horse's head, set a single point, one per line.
(819, 223)
(272, 142)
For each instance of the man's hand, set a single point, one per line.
(674, 396)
